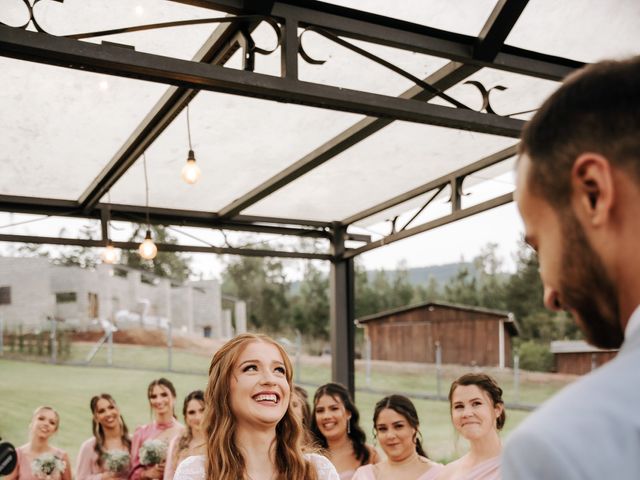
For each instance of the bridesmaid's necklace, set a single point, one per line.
(407, 461)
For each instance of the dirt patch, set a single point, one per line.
(153, 338)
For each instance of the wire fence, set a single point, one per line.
(52, 344)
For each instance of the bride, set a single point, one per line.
(251, 429)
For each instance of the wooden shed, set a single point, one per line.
(466, 335)
(577, 357)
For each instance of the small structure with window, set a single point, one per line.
(577, 357)
(465, 335)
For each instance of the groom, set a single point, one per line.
(578, 192)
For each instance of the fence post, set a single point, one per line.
(54, 342)
(516, 378)
(298, 365)
(169, 346)
(1, 336)
(110, 347)
(438, 370)
(367, 357)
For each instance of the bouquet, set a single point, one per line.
(153, 452)
(116, 461)
(46, 465)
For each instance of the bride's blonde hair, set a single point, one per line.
(224, 460)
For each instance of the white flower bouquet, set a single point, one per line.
(153, 452)
(46, 465)
(116, 461)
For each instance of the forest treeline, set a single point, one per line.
(274, 306)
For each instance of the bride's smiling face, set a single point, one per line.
(260, 391)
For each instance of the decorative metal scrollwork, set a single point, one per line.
(336, 39)
(486, 101)
(31, 8)
(248, 43)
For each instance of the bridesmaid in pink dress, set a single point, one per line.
(192, 441)
(336, 429)
(162, 399)
(477, 413)
(396, 424)
(44, 423)
(110, 434)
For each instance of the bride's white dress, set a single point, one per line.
(192, 468)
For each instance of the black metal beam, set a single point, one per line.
(443, 79)
(491, 39)
(113, 60)
(217, 49)
(452, 217)
(165, 247)
(496, 30)
(342, 314)
(209, 220)
(351, 23)
(434, 184)
(165, 216)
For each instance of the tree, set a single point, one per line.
(462, 288)
(401, 288)
(31, 250)
(311, 305)
(491, 280)
(261, 283)
(429, 293)
(85, 257)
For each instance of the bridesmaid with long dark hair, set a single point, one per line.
(162, 398)
(335, 426)
(106, 455)
(397, 428)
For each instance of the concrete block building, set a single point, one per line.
(33, 291)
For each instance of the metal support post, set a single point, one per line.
(110, 348)
(367, 356)
(53, 340)
(298, 360)
(342, 313)
(516, 378)
(169, 347)
(438, 370)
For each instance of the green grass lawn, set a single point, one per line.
(68, 388)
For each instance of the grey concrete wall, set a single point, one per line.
(35, 281)
(31, 298)
(207, 307)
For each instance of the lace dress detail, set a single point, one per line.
(192, 468)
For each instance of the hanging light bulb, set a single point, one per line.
(190, 172)
(109, 254)
(147, 248)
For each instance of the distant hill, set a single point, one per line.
(420, 275)
(417, 275)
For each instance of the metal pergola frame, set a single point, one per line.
(206, 71)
